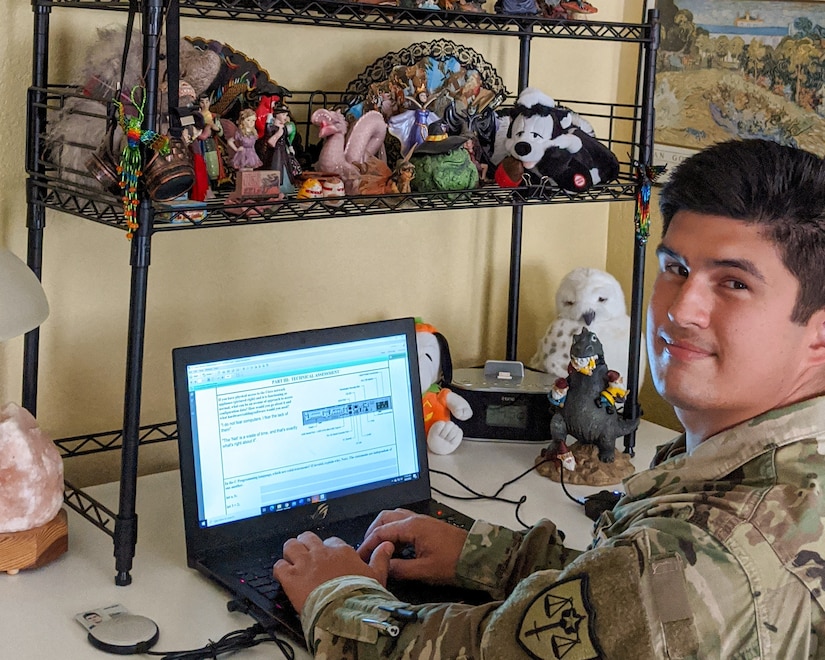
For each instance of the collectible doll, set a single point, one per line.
(206, 143)
(275, 136)
(243, 142)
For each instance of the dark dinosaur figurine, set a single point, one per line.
(581, 415)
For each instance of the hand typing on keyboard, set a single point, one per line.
(428, 548)
(309, 562)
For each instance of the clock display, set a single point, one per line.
(512, 416)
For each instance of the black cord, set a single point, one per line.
(230, 643)
(495, 496)
(564, 487)
(526, 472)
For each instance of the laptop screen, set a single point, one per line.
(275, 430)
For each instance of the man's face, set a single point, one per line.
(721, 343)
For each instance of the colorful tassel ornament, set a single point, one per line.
(130, 167)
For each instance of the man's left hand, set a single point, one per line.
(309, 562)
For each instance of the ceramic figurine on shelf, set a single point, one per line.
(311, 188)
(345, 148)
(333, 189)
(574, 7)
(243, 142)
(442, 163)
(411, 127)
(378, 179)
(402, 176)
(474, 114)
(200, 190)
(206, 144)
(472, 147)
(276, 133)
(516, 7)
(200, 130)
(462, 5)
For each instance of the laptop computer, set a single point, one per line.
(312, 430)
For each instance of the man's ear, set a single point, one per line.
(818, 343)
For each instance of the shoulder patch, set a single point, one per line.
(559, 623)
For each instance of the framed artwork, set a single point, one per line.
(739, 68)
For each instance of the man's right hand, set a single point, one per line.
(437, 545)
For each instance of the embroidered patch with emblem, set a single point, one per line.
(559, 623)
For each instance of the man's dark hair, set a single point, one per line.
(762, 183)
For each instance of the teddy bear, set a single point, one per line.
(545, 141)
(435, 367)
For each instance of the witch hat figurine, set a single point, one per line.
(442, 162)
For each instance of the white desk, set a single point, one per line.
(37, 607)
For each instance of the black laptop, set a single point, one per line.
(318, 430)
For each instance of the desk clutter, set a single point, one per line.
(507, 403)
(429, 118)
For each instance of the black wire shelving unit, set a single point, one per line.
(51, 186)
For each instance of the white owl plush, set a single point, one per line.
(593, 298)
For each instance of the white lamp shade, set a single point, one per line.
(23, 304)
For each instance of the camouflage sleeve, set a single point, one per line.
(653, 592)
(350, 618)
(597, 607)
(494, 559)
(667, 590)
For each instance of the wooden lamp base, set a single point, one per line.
(36, 547)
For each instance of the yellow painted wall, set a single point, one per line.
(208, 285)
(619, 245)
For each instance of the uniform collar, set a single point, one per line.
(722, 453)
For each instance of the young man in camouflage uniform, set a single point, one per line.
(717, 551)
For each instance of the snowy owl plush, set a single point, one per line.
(592, 298)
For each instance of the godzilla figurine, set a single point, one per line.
(581, 414)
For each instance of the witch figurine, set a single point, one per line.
(411, 127)
(276, 134)
(442, 162)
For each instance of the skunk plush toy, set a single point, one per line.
(545, 141)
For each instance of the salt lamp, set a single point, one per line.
(31, 472)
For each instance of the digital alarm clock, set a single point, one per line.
(507, 402)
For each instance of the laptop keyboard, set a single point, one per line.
(259, 577)
(258, 574)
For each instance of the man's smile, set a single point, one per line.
(683, 350)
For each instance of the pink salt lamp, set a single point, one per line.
(31, 472)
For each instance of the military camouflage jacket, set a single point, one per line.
(717, 554)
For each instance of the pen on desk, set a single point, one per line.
(384, 627)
